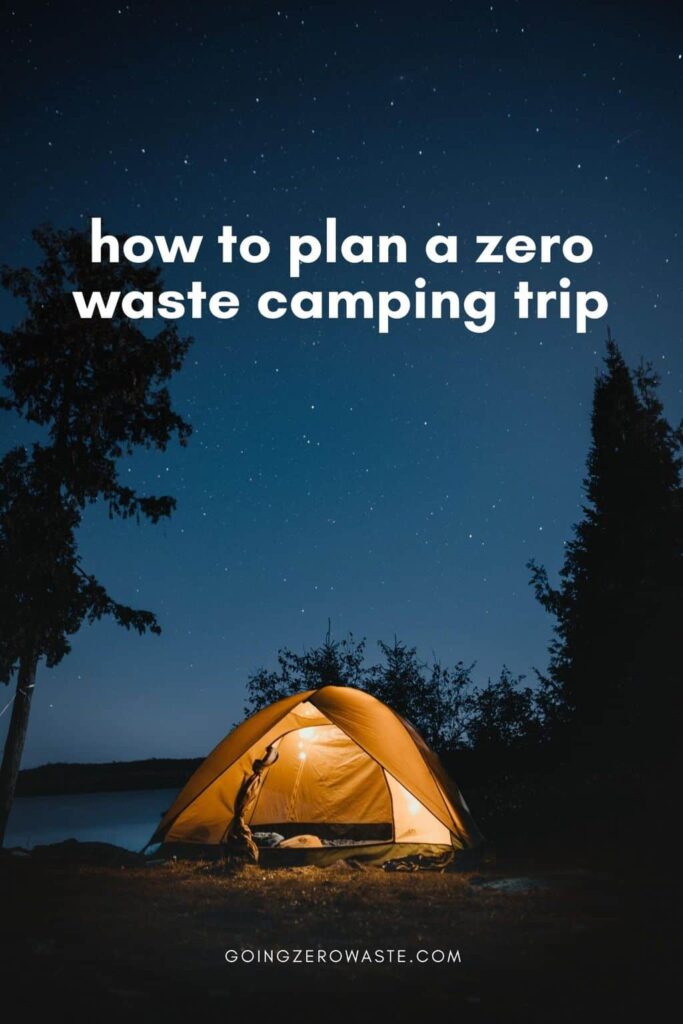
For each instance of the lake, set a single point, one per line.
(126, 819)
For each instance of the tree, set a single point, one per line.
(334, 663)
(445, 716)
(433, 700)
(615, 659)
(95, 390)
(399, 680)
(504, 717)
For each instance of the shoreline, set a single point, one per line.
(65, 778)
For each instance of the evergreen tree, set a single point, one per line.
(435, 701)
(444, 716)
(334, 663)
(503, 717)
(95, 390)
(399, 681)
(615, 660)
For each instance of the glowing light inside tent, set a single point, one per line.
(307, 710)
(304, 736)
(413, 805)
(349, 781)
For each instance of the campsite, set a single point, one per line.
(565, 943)
(341, 512)
(335, 770)
(551, 919)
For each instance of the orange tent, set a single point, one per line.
(347, 764)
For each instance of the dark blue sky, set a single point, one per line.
(395, 484)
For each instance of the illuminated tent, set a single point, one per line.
(348, 766)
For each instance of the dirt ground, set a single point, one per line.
(554, 945)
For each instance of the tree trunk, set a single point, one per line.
(16, 736)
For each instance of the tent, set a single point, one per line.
(349, 771)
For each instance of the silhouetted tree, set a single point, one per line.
(615, 661)
(334, 663)
(444, 716)
(434, 700)
(504, 717)
(399, 680)
(442, 703)
(95, 389)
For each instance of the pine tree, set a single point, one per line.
(504, 717)
(435, 700)
(615, 660)
(399, 680)
(95, 390)
(333, 663)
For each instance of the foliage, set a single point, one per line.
(503, 714)
(334, 663)
(441, 702)
(434, 700)
(96, 390)
(619, 604)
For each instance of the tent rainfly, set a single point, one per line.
(351, 776)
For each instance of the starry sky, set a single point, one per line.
(395, 484)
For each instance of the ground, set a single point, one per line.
(558, 943)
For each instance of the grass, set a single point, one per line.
(572, 947)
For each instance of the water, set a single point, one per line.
(126, 819)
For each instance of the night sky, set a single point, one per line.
(396, 484)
